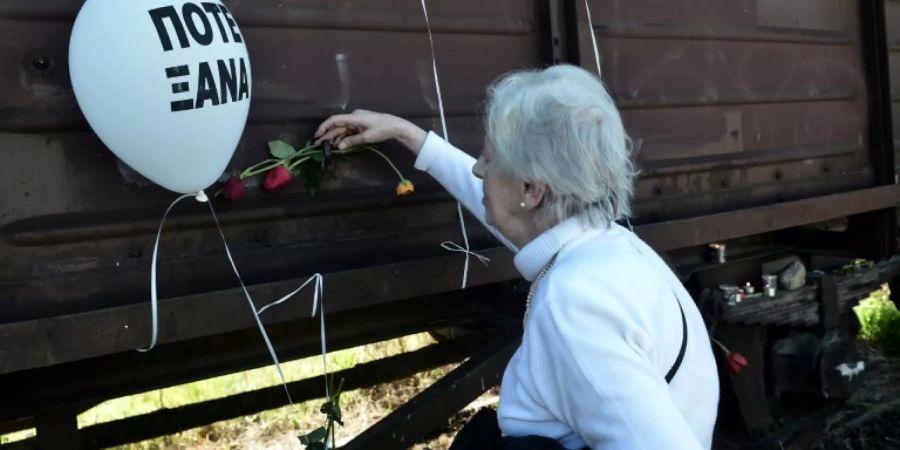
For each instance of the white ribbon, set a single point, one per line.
(262, 328)
(318, 297)
(437, 82)
(587, 8)
(593, 39)
(153, 298)
(462, 224)
(451, 246)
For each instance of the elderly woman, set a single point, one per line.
(614, 353)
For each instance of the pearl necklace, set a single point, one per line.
(533, 288)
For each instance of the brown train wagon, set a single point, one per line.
(751, 121)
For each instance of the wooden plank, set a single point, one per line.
(433, 407)
(57, 430)
(88, 382)
(701, 230)
(172, 420)
(46, 342)
(748, 386)
(16, 425)
(800, 305)
(77, 336)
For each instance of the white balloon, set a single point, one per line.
(165, 84)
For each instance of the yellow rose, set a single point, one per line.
(405, 187)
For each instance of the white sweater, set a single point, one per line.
(604, 329)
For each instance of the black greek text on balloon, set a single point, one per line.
(165, 84)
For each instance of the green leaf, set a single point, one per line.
(281, 150)
(332, 411)
(317, 435)
(337, 414)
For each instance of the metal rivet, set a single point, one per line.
(37, 62)
(41, 63)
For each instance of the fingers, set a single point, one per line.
(334, 134)
(359, 127)
(355, 139)
(359, 118)
(340, 120)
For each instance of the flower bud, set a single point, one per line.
(277, 178)
(736, 362)
(234, 189)
(405, 187)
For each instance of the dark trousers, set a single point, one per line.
(482, 432)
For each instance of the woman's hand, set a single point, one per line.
(368, 127)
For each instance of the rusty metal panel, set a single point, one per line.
(76, 225)
(731, 105)
(735, 104)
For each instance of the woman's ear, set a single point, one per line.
(533, 194)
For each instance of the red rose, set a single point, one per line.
(736, 362)
(234, 189)
(277, 178)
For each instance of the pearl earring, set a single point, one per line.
(522, 205)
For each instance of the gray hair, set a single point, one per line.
(559, 126)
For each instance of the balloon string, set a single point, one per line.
(318, 298)
(262, 328)
(451, 246)
(154, 315)
(587, 8)
(437, 86)
(437, 81)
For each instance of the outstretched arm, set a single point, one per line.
(449, 165)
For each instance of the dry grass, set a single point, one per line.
(870, 420)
